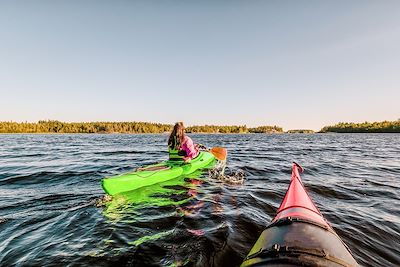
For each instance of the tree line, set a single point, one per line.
(365, 127)
(233, 129)
(54, 126)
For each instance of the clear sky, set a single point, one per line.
(296, 64)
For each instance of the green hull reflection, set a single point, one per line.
(135, 213)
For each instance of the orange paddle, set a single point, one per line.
(219, 152)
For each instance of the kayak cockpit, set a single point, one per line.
(299, 242)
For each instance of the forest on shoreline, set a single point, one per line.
(365, 127)
(54, 126)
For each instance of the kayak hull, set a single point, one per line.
(299, 235)
(156, 173)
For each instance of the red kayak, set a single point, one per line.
(299, 235)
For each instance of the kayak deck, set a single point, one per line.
(297, 203)
(156, 173)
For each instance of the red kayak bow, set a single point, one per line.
(299, 235)
(297, 203)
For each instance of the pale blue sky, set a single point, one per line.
(296, 64)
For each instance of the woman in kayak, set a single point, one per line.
(181, 146)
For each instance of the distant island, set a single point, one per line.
(54, 126)
(300, 131)
(365, 127)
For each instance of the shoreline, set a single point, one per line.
(134, 127)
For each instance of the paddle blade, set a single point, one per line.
(219, 152)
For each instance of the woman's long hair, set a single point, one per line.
(177, 136)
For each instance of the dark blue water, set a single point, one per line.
(51, 212)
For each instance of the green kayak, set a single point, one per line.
(156, 173)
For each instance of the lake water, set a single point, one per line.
(51, 212)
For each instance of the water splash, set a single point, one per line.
(103, 200)
(222, 173)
